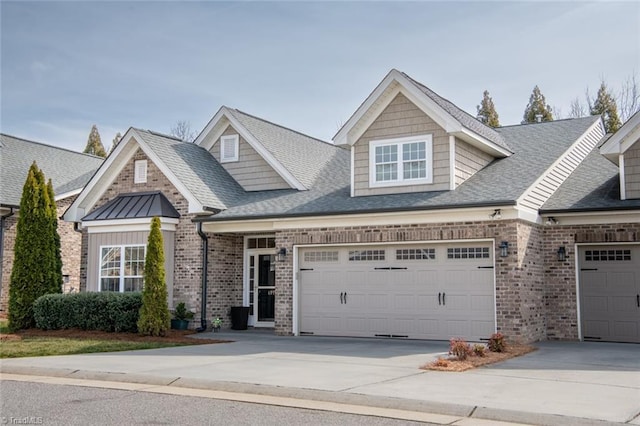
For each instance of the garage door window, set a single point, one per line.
(607, 255)
(416, 254)
(321, 256)
(360, 255)
(468, 253)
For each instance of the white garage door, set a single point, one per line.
(610, 293)
(429, 291)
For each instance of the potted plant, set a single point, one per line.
(181, 317)
(216, 323)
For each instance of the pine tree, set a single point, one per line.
(154, 314)
(537, 108)
(56, 271)
(605, 105)
(94, 143)
(35, 268)
(487, 111)
(115, 142)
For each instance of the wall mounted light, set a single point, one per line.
(504, 249)
(497, 214)
(282, 254)
(551, 221)
(562, 254)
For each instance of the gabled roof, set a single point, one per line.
(536, 147)
(296, 157)
(451, 118)
(191, 169)
(68, 170)
(623, 139)
(593, 186)
(134, 206)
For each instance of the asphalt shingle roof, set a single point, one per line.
(536, 147)
(195, 168)
(68, 170)
(466, 119)
(303, 156)
(594, 185)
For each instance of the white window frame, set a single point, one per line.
(399, 142)
(121, 277)
(235, 139)
(140, 171)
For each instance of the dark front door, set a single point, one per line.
(266, 287)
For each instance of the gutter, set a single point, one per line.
(205, 250)
(591, 209)
(2, 220)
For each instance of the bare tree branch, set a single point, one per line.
(629, 98)
(182, 130)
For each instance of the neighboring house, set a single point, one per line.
(419, 222)
(69, 171)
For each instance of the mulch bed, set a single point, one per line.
(451, 363)
(173, 336)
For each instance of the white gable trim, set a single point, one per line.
(623, 185)
(207, 141)
(112, 167)
(623, 139)
(395, 82)
(555, 175)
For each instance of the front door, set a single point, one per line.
(262, 288)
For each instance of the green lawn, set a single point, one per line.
(45, 346)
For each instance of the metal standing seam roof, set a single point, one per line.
(536, 147)
(134, 206)
(68, 170)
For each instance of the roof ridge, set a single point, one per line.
(281, 126)
(549, 122)
(164, 135)
(51, 146)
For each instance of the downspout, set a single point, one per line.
(2, 220)
(205, 250)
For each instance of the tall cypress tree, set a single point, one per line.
(34, 272)
(487, 111)
(94, 143)
(56, 271)
(154, 318)
(537, 108)
(605, 105)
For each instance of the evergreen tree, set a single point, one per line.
(487, 111)
(115, 142)
(154, 314)
(94, 143)
(537, 108)
(56, 271)
(605, 105)
(35, 268)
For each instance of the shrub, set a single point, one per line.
(88, 311)
(182, 313)
(496, 342)
(479, 350)
(459, 348)
(155, 318)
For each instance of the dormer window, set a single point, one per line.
(229, 148)
(140, 171)
(401, 161)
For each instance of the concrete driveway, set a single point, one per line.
(584, 381)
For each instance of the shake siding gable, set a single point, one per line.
(402, 118)
(544, 188)
(468, 161)
(632, 171)
(251, 171)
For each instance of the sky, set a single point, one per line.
(305, 65)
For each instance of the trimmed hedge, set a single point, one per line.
(88, 311)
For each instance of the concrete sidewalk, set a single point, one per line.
(561, 383)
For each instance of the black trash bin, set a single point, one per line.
(239, 317)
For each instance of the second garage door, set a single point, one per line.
(429, 291)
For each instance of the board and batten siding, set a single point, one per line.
(98, 240)
(401, 118)
(632, 171)
(544, 187)
(468, 161)
(251, 171)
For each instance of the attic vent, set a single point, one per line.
(140, 171)
(229, 148)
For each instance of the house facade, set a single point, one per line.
(418, 222)
(69, 171)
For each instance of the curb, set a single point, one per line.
(301, 394)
